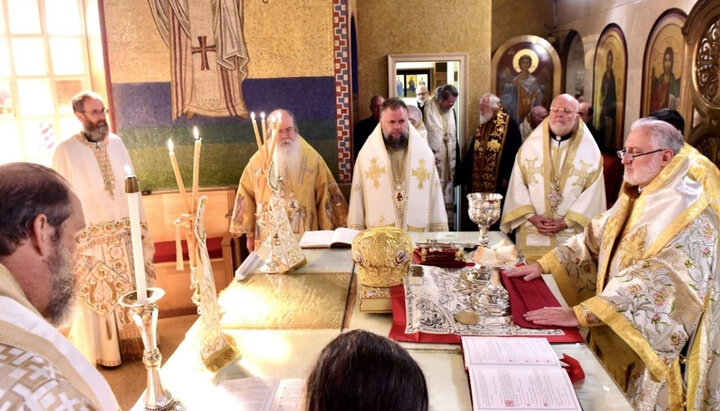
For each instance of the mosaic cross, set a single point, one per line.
(203, 49)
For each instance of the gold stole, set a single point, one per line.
(486, 152)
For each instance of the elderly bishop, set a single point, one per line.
(394, 170)
(312, 197)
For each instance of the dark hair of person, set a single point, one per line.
(26, 191)
(362, 371)
(670, 116)
(393, 103)
(446, 91)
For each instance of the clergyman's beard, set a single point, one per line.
(482, 119)
(396, 143)
(62, 286)
(287, 159)
(96, 131)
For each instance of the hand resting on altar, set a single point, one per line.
(528, 272)
(559, 316)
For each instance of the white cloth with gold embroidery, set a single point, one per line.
(577, 164)
(416, 205)
(103, 331)
(442, 139)
(644, 277)
(40, 368)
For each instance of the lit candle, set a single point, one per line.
(133, 195)
(178, 176)
(264, 130)
(196, 168)
(257, 137)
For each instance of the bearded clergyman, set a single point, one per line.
(313, 199)
(643, 276)
(95, 162)
(488, 162)
(556, 186)
(395, 181)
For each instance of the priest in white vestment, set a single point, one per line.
(442, 138)
(643, 276)
(395, 181)
(556, 186)
(95, 162)
(40, 221)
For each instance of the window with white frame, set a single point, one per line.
(43, 63)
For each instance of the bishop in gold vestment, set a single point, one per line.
(643, 276)
(313, 198)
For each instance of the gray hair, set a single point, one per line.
(493, 100)
(271, 117)
(661, 133)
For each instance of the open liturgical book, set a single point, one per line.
(340, 237)
(516, 373)
(261, 394)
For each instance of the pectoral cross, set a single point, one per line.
(421, 173)
(203, 49)
(375, 172)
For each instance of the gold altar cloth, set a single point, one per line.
(267, 301)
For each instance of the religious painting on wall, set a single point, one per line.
(609, 87)
(400, 85)
(526, 73)
(664, 64)
(410, 85)
(208, 56)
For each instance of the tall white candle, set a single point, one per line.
(196, 168)
(133, 195)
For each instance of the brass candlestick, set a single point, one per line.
(145, 315)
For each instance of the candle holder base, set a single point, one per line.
(145, 315)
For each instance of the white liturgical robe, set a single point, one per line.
(415, 205)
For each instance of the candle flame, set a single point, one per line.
(262, 115)
(170, 145)
(128, 170)
(195, 133)
(252, 115)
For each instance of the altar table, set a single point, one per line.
(291, 353)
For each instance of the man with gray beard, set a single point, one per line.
(395, 181)
(312, 197)
(488, 162)
(41, 220)
(95, 163)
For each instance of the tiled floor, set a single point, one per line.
(128, 380)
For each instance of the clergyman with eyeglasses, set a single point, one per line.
(643, 277)
(556, 186)
(95, 162)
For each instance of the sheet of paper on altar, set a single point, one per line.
(516, 373)
(264, 394)
(340, 237)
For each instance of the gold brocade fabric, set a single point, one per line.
(287, 301)
(101, 155)
(487, 149)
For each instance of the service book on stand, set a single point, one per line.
(340, 237)
(516, 373)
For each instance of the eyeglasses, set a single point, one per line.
(561, 110)
(96, 113)
(622, 153)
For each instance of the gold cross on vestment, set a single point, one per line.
(375, 172)
(582, 174)
(493, 145)
(529, 171)
(421, 173)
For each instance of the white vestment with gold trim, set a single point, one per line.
(103, 331)
(415, 205)
(576, 165)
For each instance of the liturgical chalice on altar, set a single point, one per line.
(484, 210)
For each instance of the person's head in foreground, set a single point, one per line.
(362, 371)
(40, 220)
